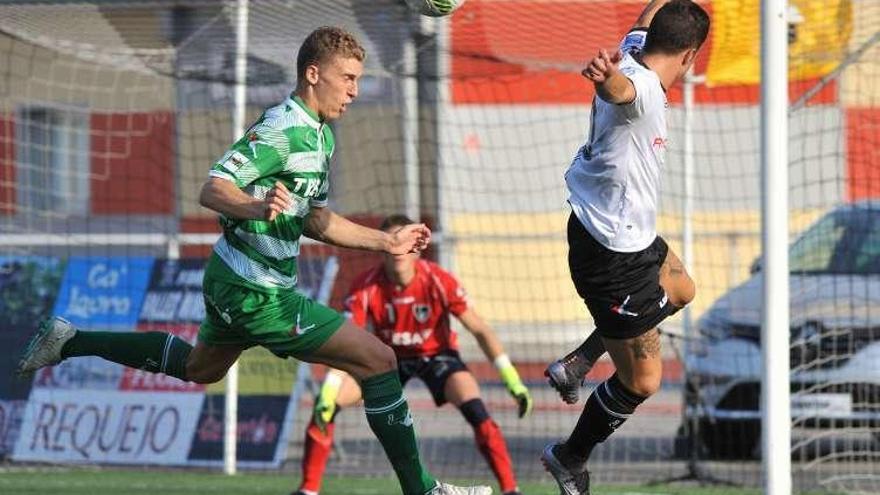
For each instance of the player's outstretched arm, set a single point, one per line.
(611, 85)
(324, 225)
(647, 15)
(494, 351)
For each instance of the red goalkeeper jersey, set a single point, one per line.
(413, 320)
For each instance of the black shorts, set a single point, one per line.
(621, 290)
(433, 370)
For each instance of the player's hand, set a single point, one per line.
(523, 399)
(277, 200)
(517, 390)
(413, 238)
(325, 404)
(323, 414)
(602, 66)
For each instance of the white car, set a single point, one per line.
(835, 339)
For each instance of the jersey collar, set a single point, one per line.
(638, 59)
(296, 103)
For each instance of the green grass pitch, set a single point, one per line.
(33, 481)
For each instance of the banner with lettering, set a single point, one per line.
(108, 427)
(261, 420)
(97, 293)
(92, 410)
(104, 292)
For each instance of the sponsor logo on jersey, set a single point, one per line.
(405, 338)
(232, 161)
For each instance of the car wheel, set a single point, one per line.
(727, 439)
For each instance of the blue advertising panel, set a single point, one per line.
(104, 292)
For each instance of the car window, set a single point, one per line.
(867, 256)
(814, 251)
(842, 242)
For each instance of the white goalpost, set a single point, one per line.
(230, 433)
(775, 334)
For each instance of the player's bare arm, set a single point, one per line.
(324, 225)
(611, 85)
(647, 15)
(485, 335)
(225, 197)
(493, 350)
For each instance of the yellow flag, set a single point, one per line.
(819, 32)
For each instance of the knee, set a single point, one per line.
(474, 412)
(380, 359)
(203, 376)
(685, 293)
(644, 384)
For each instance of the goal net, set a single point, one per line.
(111, 114)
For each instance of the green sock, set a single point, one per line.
(389, 418)
(157, 352)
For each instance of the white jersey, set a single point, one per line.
(614, 179)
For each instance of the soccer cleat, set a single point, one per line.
(570, 482)
(566, 380)
(447, 489)
(44, 348)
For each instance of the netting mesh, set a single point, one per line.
(111, 114)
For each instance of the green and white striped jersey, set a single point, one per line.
(289, 144)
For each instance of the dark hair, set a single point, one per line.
(324, 43)
(678, 26)
(396, 220)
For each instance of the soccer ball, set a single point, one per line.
(434, 8)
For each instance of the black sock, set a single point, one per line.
(156, 352)
(608, 407)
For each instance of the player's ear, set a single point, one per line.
(689, 56)
(312, 73)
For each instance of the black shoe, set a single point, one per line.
(570, 482)
(566, 380)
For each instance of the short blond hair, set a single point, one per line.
(323, 44)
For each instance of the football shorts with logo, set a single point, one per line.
(240, 313)
(621, 290)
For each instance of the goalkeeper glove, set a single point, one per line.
(514, 385)
(325, 402)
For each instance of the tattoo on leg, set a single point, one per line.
(646, 346)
